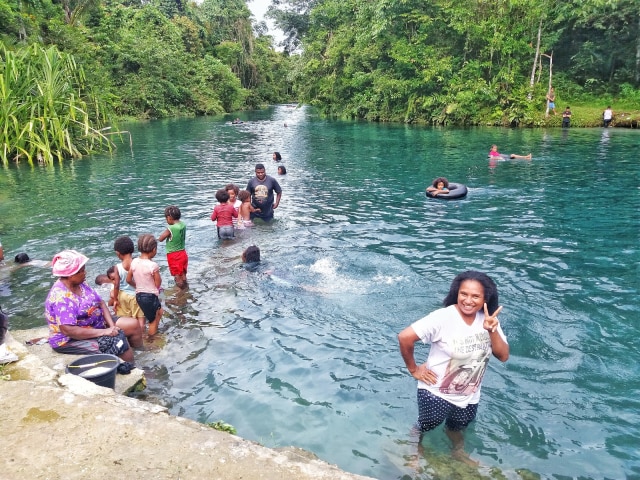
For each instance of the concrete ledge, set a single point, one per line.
(57, 426)
(43, 356)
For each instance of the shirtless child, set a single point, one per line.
(244, 212)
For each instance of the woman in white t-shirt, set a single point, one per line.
(607, 116)
(463, 336)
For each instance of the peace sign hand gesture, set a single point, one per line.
(491, 321)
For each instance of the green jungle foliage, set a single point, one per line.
(83, 63)
(47, 111)
(461, 62)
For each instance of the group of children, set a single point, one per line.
(233, 211)
(136, 281)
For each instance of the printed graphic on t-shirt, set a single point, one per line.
(467, 366)
(261, 193)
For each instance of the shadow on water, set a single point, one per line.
(303, 350)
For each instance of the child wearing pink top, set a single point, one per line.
(494, 154)
(224, 213)
(144, 275)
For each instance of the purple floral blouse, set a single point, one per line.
(64, 307)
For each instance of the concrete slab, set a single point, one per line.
(56, 426)
(16, 341)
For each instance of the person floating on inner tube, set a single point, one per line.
(494, 154)
(439, 185)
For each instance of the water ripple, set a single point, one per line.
(303, 350)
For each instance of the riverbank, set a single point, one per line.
(60, 426)
(591, 117)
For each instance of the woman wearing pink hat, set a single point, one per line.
(79, 321)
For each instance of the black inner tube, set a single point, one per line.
(456, 191)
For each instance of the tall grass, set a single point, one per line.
(46, 111)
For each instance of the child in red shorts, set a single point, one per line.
(176, 234)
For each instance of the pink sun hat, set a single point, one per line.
(67, 263)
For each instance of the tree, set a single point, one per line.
(75, 9)
(170, 8)
(292, 17)
(599, 43)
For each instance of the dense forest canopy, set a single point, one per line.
(124, 58)
(460, 61)
(448, 62)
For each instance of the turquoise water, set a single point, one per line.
(303, 351)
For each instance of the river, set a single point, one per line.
(303, 351)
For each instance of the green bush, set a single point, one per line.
(47, 111)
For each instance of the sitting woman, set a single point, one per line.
(79, 321)
(439, 185)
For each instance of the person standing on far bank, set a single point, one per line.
(261, 188)
(566, 118)
(551, 101)
(607, 116)
(463, 335)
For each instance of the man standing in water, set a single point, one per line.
(261, 188)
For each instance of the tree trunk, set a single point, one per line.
(550, 57)
(535, 59)
(550, 70)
